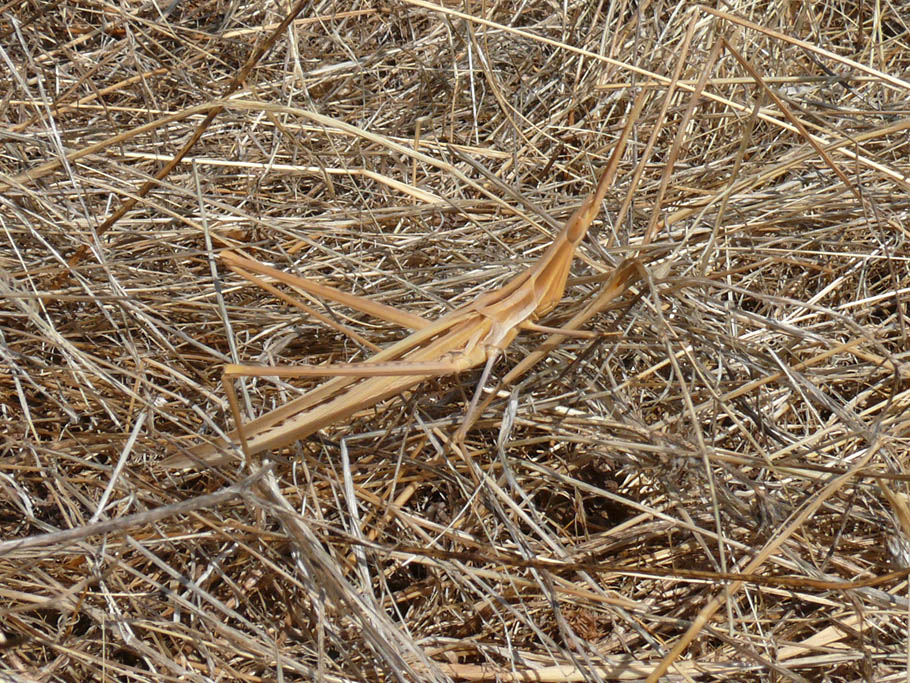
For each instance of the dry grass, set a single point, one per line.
(713, 485)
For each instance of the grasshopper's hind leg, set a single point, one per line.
(344, 373)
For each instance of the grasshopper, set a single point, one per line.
(467, 337)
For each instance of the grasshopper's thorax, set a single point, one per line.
(507, 314)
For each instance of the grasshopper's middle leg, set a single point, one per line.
(471, 414)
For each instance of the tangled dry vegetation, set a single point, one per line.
(714, 487)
